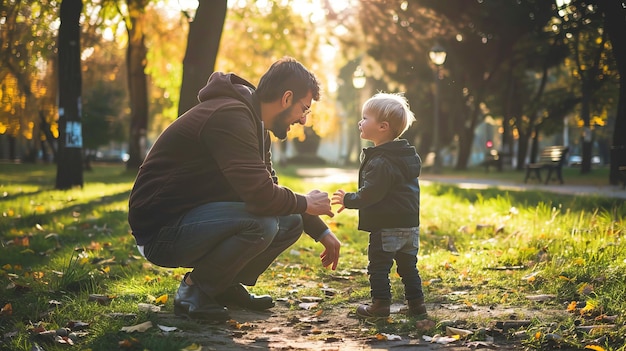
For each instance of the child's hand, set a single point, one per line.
(338, 199)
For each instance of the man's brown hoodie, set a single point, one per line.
(218, 151)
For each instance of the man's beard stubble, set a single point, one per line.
(280, 125)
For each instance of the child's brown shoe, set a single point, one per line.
(378, 309)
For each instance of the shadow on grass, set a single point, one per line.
(87, 206)
(45, 174)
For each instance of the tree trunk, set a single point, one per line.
(522, 148)
(70, 144)
(615, 25)
(534, 145)
(466, 139)
(203, 42)
(137, 83)
(585, 114)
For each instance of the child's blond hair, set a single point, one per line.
(392, 108)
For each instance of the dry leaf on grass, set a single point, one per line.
(146, 307)
(166, 328)
(142, 327)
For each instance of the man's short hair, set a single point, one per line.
(287, 74)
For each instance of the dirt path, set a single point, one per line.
(288, 327)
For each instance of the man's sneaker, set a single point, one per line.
(192, 303)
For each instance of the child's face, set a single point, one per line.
(370, 128)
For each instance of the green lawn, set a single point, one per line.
(67, 259)
(598, 176)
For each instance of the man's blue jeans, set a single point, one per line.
(224, 244)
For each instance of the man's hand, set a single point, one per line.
(330, 256)
(338, 199)
(318, 203)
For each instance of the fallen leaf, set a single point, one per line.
(166, 328)
(315, 331)
(541, 297)
(52, 235)
(391, 337)
(572, 306)
(7, 310)
(274, 330)
(64, 340)
(21, 241)
(451, 331)
(240, 326)
(530, 277)
(308, 305)
(589, 307)
(146, 307)
(311, 299)
(161, 299)
(329, 291)
(192, 347)
(605, 318)
(142, 327)
(438, 339)
(476, 344)
(128, 343)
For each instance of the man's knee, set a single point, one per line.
(291, 225)
(269, 227)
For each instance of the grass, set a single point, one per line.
(598, 176)
(68, 261)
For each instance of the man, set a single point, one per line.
(207, 198)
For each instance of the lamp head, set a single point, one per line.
(437, 55)
(358, 78)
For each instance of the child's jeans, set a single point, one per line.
(401, 245)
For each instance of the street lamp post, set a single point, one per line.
(438, 57)
(358, 82)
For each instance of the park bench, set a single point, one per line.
(552, 159)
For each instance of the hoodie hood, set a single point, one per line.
(229, 85)
(402, 154)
